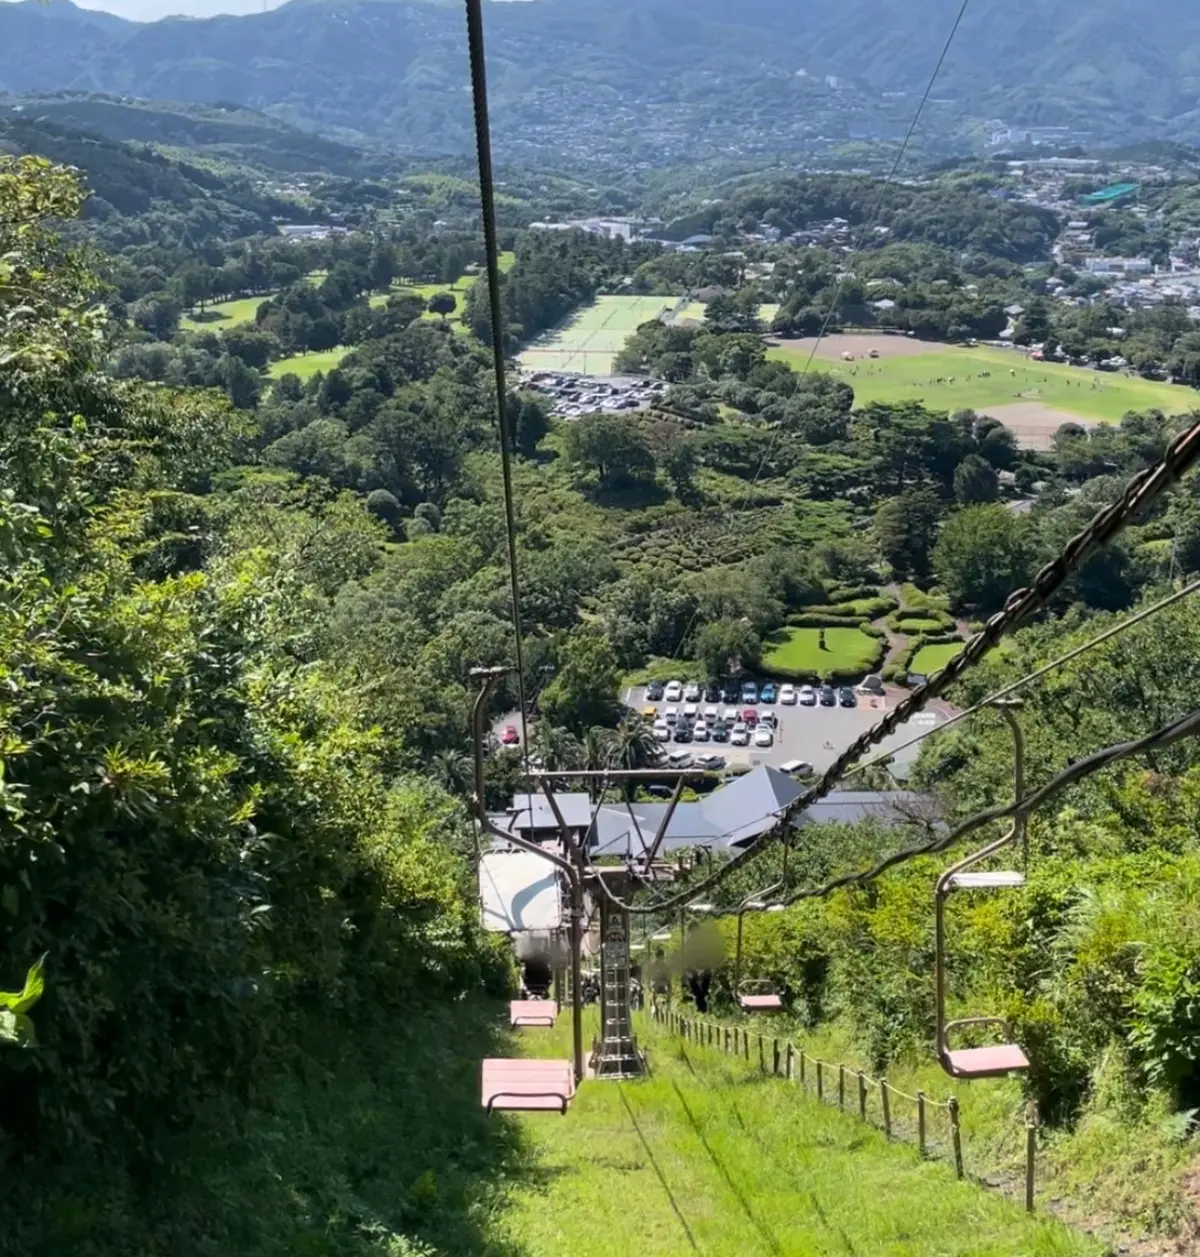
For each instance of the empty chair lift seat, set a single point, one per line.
(532, 1012)
(759, 997)
(520, 1085)
(987, 1062)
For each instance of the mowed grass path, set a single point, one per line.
(1013, 379)
(709, 1157)
(794, 650)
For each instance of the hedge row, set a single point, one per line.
(898, 670)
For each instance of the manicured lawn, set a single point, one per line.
(307, 365)
(708, 1156)
(224, 314)
(931, 658)
(589, 340)
(1013, 379)
(794, 650)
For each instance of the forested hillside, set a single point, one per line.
(562, 71)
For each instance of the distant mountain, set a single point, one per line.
(657, 80)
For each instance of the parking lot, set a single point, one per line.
(816, 734)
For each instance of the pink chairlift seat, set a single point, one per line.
(760, 1003)
(532, 1012)
(521, 1085)
(987, 1062)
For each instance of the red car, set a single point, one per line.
(510, 736)
(750, 717)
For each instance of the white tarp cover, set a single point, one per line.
(519, 891)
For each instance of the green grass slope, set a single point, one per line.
(1012, 379)
(708, 1156)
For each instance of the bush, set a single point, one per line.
(823, 617)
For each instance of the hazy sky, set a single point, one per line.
(149, 10)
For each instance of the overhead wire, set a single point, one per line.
(867, 227)
(1143, 489)
(487, 201)
(1029, 678)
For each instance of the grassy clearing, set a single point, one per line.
(660, 668)
(307, 365)
(931, 658)
(224, 314)
(707, 1156)
(796, 650)
(1013, 378)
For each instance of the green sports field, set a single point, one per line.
(948, 378)
(592, 337)
(307, 365)
(224, 314)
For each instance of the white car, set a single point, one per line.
(763, 736)
(770, 719)
(662, 731)
(711, 714)
(808, 696)
(740, 735)
(787, 695)
(692, 692)
(674, 692)
(691, 711)
(700, 731)
(797, 768)
(671, 715)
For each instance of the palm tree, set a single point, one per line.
(597, 756)
(632, 746)
(454, 771)
(556, 748)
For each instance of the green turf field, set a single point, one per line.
(224, 314)
(708, 1156)
(1012, 379)
(796, 650)
(932, 658)
(591, 337)
(307, 365)
(695, 310)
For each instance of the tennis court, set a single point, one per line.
(591, 338)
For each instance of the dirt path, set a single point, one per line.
(897, 642)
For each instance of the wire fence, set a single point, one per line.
(934, 1126)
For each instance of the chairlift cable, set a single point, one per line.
(848, 262)
(487, 201)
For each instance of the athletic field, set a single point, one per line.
(590, 339)
(1037, 396)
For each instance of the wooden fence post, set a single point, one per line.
(775, 1057)
(921, 1122)
(862, 1096)
(746, 1044)
(1031, 1118)
(803, 1068)
(955, 1135)
(841, 1086)
(762, 1054)
(887, 1107)
(820, 1082)
(791, 1063)
(726, 1041)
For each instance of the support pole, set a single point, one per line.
(791, 1063)
(820, 1081)
(955, 1135)
(1031, 1120)
(841, 1086)
(885, 1101)
(921, 1123)
(862, 1096)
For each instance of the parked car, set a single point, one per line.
(740, 735)
(764, 736)
(769, 718)
(730, 692)
(671, 715)
(683, 732)
(691, 692)
(680, 759)
(712, 715)
(797, 768)
(828, 697)
(650, 712)
(691, 711)
(767, 693)
(674, 692)
(871, 684)
(654, 692)
(807, 696)
(846, 697)
(720, 732)
(749, 692)
(787, 695)
(712, 692)
(662, 731)
(711, 762)
(750, 717)
(510, 736)
(700, 731)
